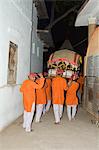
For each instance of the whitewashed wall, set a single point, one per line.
(15, 26)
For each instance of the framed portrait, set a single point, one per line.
(12, 63)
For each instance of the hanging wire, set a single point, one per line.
(79, 43)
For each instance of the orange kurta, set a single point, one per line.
(81, 83)
(28, 89)
(48, 89)
(41, 94)
(71, 98)
(58, 86)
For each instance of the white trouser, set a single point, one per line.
(47, 107)
(71, 111)
(27, 117)
(58, 110)
(44, 109)
(39, 110)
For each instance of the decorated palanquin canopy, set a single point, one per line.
(64, 59)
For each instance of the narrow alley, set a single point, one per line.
(49, 57)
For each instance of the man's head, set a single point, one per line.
(80, 74)
(45, 74)
(32, 76)
(74, 76)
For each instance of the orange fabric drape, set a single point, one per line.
(28, 89)
(58, 86)
(71, 98)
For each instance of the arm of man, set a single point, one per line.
(22, 87)
(40, 84)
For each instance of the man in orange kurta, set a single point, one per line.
(40, 100)
(48, 93)
(59, 84)
(28, 89)
(71, 98)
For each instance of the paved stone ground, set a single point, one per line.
(80, 134)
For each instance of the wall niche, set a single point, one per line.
(12, 63)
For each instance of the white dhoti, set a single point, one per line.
(58, 111)
(47, 107)
(27, 117)
(71, 111)
(39, 110)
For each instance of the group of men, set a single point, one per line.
(41, 91)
